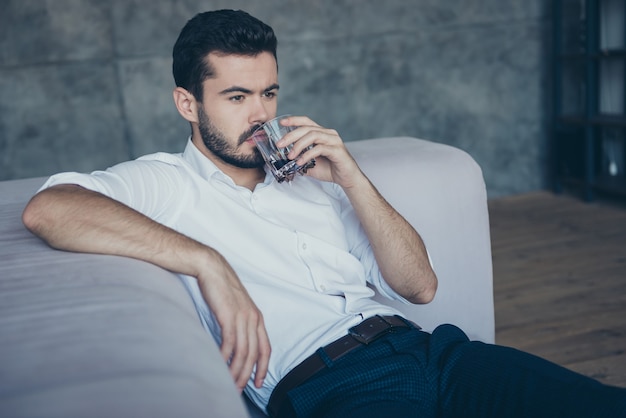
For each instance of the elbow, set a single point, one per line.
(431, 291)
(43, 209)
(31, 216)
(426, 293)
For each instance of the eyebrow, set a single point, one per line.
(238, 89)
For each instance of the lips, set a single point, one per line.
(249, 135)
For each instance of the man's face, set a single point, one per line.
(241, 96)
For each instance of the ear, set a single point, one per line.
(186, 104)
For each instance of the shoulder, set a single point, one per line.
(164, 158)
(158, 166)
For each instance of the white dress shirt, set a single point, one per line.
(297, 247)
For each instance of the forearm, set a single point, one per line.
(71, 218)
(398, 248)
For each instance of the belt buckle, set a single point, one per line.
(370, 329)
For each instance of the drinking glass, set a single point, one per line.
(265, 138)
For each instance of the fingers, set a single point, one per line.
(246, 345)
(265, 350)
(305, 136)
(242, 360)
(304, 125)
(298, 121)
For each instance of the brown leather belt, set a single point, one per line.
(362, 334)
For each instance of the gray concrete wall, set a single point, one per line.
(87, 83)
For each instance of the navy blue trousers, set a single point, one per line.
(411, 373)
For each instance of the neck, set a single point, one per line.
(244, 177)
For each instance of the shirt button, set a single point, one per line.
(322, 288)
(304, 246)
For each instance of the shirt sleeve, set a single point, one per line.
(152, 187)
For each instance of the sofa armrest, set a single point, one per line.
(440, 190)
(99, 336)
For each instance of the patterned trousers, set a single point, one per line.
(411, 373)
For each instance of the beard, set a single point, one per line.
(216, 142)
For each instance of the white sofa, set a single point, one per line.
(92, 335)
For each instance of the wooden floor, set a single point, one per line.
(560, 281)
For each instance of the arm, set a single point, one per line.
(69, 217)
(398, 248)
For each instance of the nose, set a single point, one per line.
(260, 112)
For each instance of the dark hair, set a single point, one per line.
(223, 31)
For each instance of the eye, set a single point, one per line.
(269, 94)
(237, 98)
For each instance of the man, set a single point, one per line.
(266, 262)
